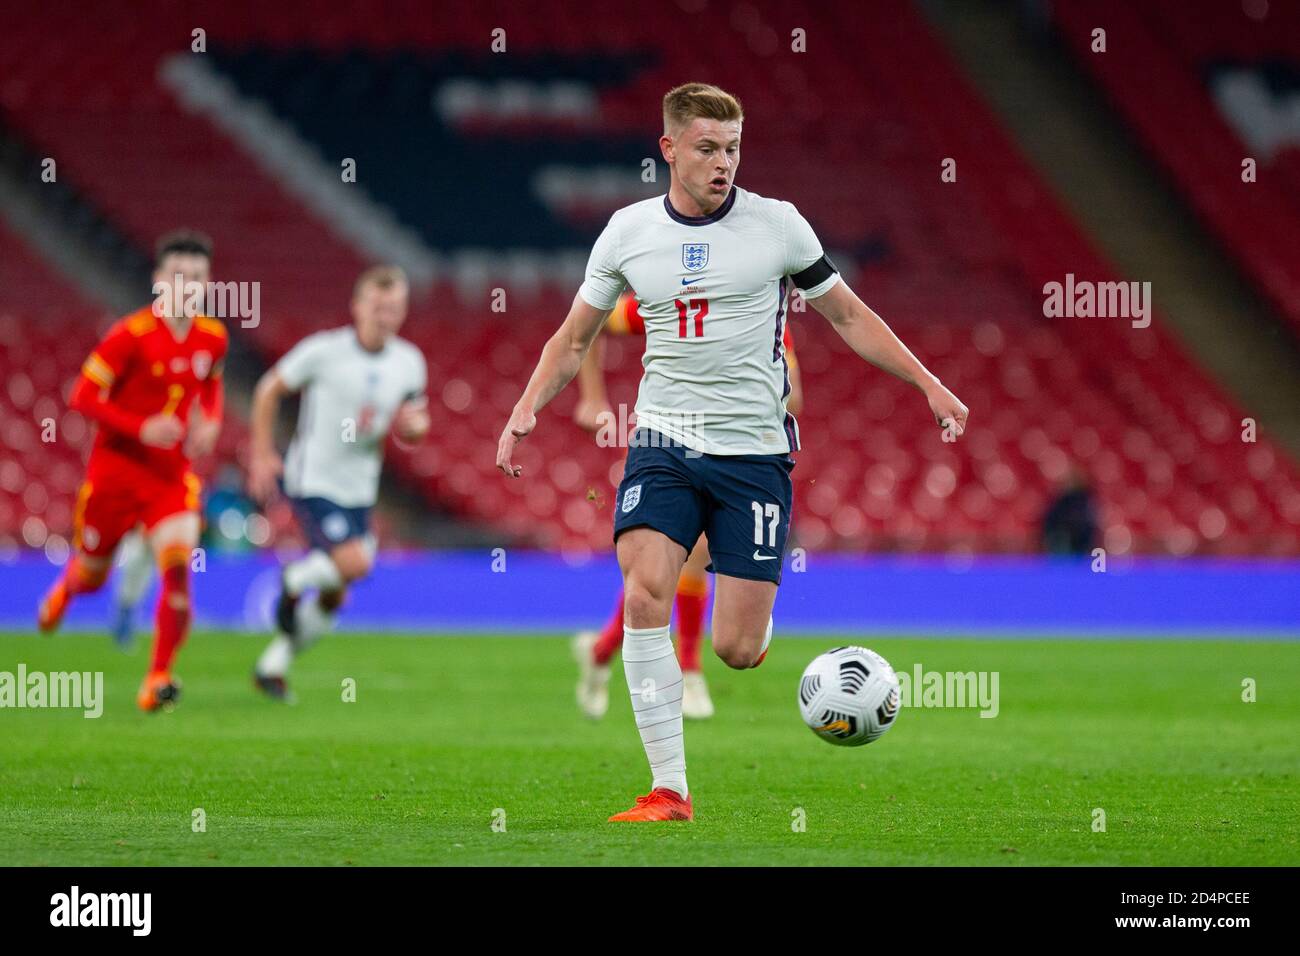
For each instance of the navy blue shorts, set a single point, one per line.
(328, 525)
(742, 502)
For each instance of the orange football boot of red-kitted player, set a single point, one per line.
(160, 691)
(659, 805)
(171, 625)
(53, 606)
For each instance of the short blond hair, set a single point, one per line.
(684, 103)
(381, 277)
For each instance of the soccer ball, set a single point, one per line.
(849, 696)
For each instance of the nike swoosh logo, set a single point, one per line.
(764, 557)
(687, 281)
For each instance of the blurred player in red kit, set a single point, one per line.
(153, 387)
(592, 650)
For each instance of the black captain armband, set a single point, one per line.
(815, 274)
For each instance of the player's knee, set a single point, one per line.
(352, 567)
(644, 606)
(736, 655)
(734, 648)
(353, 560)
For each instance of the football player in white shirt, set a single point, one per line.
(358, 381)
(709, 264)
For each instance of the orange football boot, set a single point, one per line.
(160, 691)
(52, 608)
(659, 804)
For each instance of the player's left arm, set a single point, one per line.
(868, 335)
(864, 331)
(206, 414)
(412, 422)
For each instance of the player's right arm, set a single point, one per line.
(288, 375)
(593, 399)
(560, 361)
(92, 395)
(264, 463)
(564, 353)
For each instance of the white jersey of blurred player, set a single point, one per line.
(729, 398)
(358, 383)
(350, 397)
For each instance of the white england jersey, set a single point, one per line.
(350, 397)
(712, 291)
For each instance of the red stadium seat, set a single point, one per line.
(960, 276)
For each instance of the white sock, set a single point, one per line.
(316, 570)
(654, 679)
(312, 621)
(136, 561)
(274, 661)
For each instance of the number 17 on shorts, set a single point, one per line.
(767, 519)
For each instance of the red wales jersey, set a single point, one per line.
(142, 369)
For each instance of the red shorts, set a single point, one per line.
(108, 508)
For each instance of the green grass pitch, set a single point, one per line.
(448, 734)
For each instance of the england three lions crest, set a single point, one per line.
(695, 256)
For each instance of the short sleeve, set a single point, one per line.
(301, 363)
(604, 282)
(106, 364)
(805, 261)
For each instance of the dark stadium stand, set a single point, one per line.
(957, 268)
(1160, 71)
